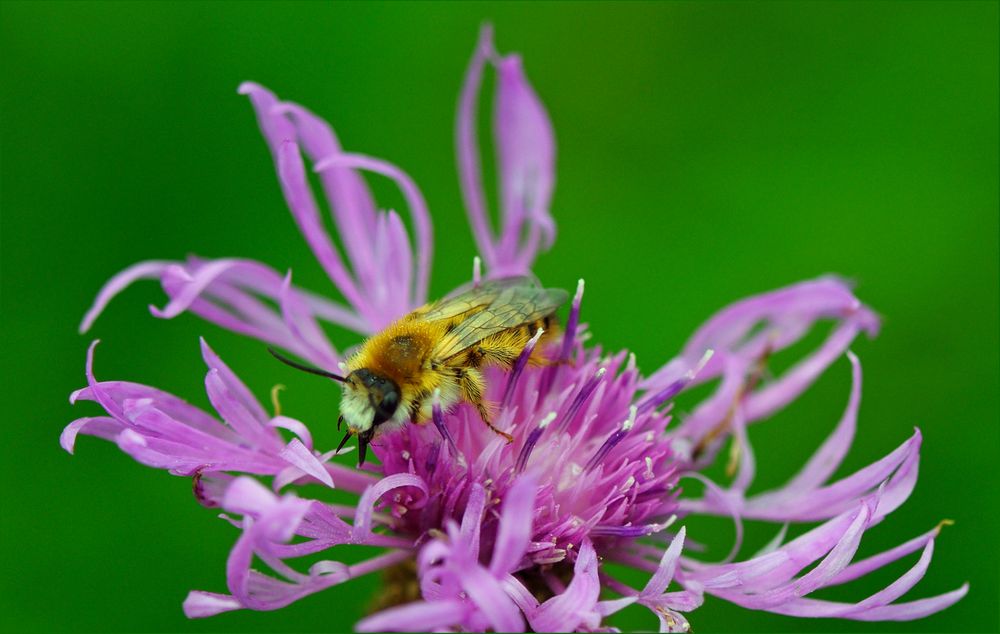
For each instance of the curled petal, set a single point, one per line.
(247, 496)
(744, 335)
(823, 502)
(350, 199)
(467, 146)
(791, 308)
(161, 430)
(912, 610)
(239, 295)
(418, 210)
(526, 148)
(149, 270)
(780, 566)
(101, 426)
(362, 522)
(281, 136)
(209, 487)
(899, 587)
(828, 457)
(294, 426)
(863, 567)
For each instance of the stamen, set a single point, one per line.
(642, 530)
(569, 335)
(438, 417)
(581, 398)
(650, 403)
(432, 458)
(615, 438)
(522, 360)
(436, 533)
(735, 452)
(943, 523)
(529, 444)
(477, 271)
(275, 401)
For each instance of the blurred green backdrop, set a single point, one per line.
(706, 152)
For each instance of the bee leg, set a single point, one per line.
(471, 383)
(484, 413)
(539, 361)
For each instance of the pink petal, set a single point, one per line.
(467, 147)
(863, 567)
(416, 617)
(489, 596)
(149, 270)
(350, 199)
(914, 609)
(363, 520)
(237, 405)
(831, 499)
(296, 427)
(101, 426)
(292, 175)
(515, 526)
(829, 456)
(247, 496)
(297, 454)
(526, 148)
(658, 583)
(199, 605)
(565, 612)
(471, 522)
(899, 587)
(415, 201)
(302, 325)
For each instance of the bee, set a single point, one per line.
(441, 348)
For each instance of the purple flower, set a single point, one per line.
(494, 535)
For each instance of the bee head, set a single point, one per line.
(369, 400)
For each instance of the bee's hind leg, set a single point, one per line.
(470, 382)
(484, 413)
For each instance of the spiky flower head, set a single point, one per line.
(473, 532)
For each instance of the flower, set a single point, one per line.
(478, 533)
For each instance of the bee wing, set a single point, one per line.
(464, 301)
(514, 306)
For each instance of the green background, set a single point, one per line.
(706, 152)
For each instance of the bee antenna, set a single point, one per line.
(305, 368)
